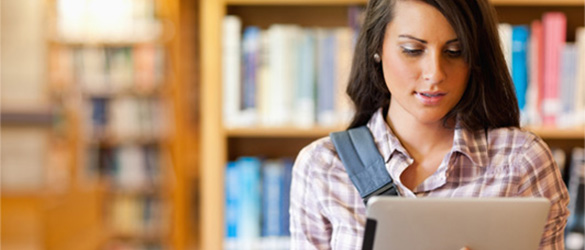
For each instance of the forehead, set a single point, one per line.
(419, 19)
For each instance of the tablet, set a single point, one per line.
(452, 223)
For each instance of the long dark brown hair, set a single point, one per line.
(489, 101)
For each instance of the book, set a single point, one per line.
(272, 186)
(535, 86)
(232, 204)
(249, 215)
(505, 32)
(344, 51)
(567, 86)
(280, 91)
(251, 42)
(575, 229)
(285, 213)
(520, 35)
(580, 78)
(326, 89)
(231, 70)
(304, 101)
(554, 32)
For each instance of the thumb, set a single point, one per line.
(465, 248)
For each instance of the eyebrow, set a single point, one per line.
(425, 42)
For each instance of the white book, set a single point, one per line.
(279, 89)
(231, 70)
(93, 70)
(124, 118)
(343, 104)
(131, 168)
(567, 70)
(505, 31)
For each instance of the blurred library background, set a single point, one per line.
(174, 124)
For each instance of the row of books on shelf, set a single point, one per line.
(291, 75)
(107, 70)
(270, 76)
(548, 72)
(107, 21)
(136, 217)
(127, 168)
(126, 118)
(257, 203)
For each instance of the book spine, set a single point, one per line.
(272, 182)
(305, 86)
(249, 217)
(250, 50)
(231, 70)
(554, 29)
(520, 35)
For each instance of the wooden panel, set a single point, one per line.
(213, 150)
(21, 223)
(267, 147)
(74, 220)
(263, 16)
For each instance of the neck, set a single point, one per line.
(419, 138)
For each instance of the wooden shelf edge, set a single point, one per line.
(363, 2)
(27, 117)
(282, 131)
(292, 132)
(577, 133)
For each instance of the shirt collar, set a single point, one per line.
(472, 144)
(385, 139)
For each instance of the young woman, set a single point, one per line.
(430, 81)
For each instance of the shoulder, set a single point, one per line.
(511, 137)
(518, 146)
(317, 157)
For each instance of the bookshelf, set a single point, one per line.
(124, 92)
(225, 144)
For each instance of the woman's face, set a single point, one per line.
(422, 63)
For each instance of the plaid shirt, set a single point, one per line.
(327, 211)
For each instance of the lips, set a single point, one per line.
(430, 97)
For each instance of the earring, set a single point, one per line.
(377, 58)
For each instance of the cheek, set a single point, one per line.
(397, 71)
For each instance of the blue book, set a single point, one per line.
(232, 205)
(520, 36)
(250, 51)
(248, 223)
(272, 182)
(287, 177)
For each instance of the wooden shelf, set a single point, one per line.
(363, 2)
(282, 132)
(558, 133)
(27, 117)
(294, 132)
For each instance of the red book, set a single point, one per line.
(554, 31)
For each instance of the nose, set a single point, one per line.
(433, 71)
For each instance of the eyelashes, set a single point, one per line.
(417, 52)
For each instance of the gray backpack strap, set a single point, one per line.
(363, 162)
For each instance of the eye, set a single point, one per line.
(454, 53)
(411, 52)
